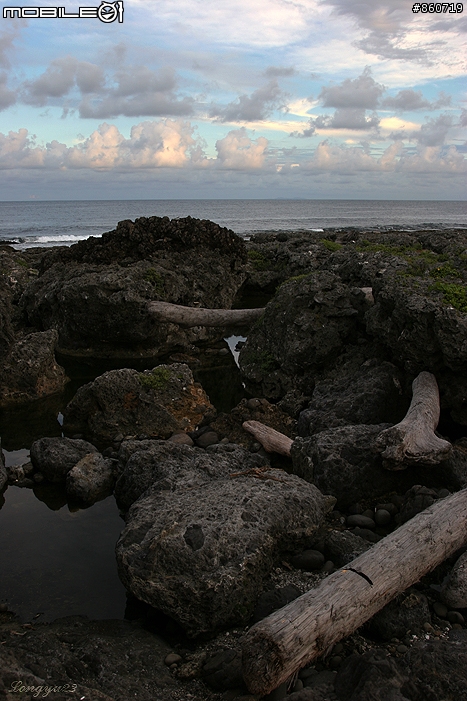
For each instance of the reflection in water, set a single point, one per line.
(59, 562)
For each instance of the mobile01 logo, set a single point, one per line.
(107, 12)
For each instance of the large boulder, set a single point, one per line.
(30, 370)
(154, 403)
(55, 457)
(95, 293)
(201, 540)
(345, 462)
(356, 391)
(305, 327)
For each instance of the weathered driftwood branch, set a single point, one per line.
(413, 440)
(195, 316)
(290, 638)
(271, 440)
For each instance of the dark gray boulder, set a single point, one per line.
(155, 403)
(431, 670)
(200, 542)
(55, 457)
(3, 472)
(357, 391)
(305, 327)
(91, 479)
(95, 293)
(30, 371)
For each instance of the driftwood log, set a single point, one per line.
(271, 440)
(413, 440)
(196, 316)
(290, 638)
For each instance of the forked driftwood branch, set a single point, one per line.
(413, 440)
(278, 646)
(196, 316)
(271, 440)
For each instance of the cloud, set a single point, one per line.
(237, 151)
(278, 72)
(362, 92)
(255, 107)
(434, 131)
(408, 100)
(7, 38)
(167, 143)
(7, 97)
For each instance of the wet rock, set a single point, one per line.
(96, 292)
(55, 457)
(30, 371)
(454, 591)
(361, 521)
(155, 403)
(201, 540)
(91, 479)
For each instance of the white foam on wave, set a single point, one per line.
(62, 238)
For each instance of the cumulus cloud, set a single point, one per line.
(253, 108)
(167, 143)
(434, 131)
(408, 100)
(237, 151)
(362, 92)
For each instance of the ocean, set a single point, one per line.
(50, 223)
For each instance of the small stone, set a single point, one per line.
(181, 438)
(254, 447)
(335, 662)
(427, 627)
(402, 649)
(455, 617)
(367, 534)
(278, 694)
(443, 493)
(253, 404)
(337, 649)
(457, 626)
(355, 509)
(440, 609)
(298, 686)
(3, 607)
(391, 508)
(308, 560)
(38, 477)
(369, 513)
(224, 351)
(382, 517)
(307, 672)
(208, 438)
(360, 521)
(172, 659)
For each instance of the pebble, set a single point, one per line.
(440, 609)
(253, 403)
(337, 649)
(355, 509)
(382, 517)
(308, 560)
(391, 508)
(328, 566)
(335, 662)
(443, 493)
(307, 672)
(278, 694)
(181, 439)
(428, 627)
(455, 617)
(208, 438)
(369, 513)
(367, 534)
(402, 648)
(360, 521)
(298, 686)
(3, 607)
(172, 658)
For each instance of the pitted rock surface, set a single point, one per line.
(200, 542)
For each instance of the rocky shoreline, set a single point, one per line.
(219, 532)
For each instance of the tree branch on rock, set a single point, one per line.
(271, 440)
(196, 316)
(278, 646)
(413, 440)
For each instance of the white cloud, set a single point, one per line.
(238, 152)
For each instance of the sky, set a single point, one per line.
(202, 99)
